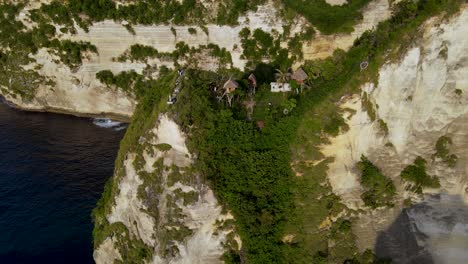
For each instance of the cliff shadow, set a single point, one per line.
(432, 231)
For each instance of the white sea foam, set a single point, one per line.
(109, 123)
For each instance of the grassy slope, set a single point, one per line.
(328, 19)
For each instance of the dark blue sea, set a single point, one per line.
(52, 171)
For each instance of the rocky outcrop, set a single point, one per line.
(75, 92)
(163, 202)
(417, 100)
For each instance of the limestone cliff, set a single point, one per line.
(161, 210)
(418, 99)
(77, 91)
(165, 204)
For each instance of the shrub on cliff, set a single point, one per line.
(443, 152)
(379, 189)
(416, 175)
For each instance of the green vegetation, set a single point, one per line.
(383, 126)
(132, 250)
(379, 189)
(22, 42)
(443, 152)
(71, 53)
(458, 92)
(369, 107)
(417, 176)
(295, 43)
(205, 30)
(328, 19)
(16, 44)
(130, 29)
(226, 144)
(230, 10)
(334, 124)
(140, 52)
(123, 80)
(186, 175)
(142, 12)
(222, 54)
(250, 168)
(164, 147)
(192, 31)
(182, 52)
(335, 77)
(151, 102)
(260, 45)
(187, 197)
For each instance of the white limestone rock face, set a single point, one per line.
(336, 2)
(76, 92)
(79, 92)
(163, 208)
(347, 149)
(420, 98)
(129, 209)
(112, 38)
(106, 253)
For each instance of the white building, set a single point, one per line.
(280, 87)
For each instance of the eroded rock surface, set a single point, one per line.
(420, 98)
(172, 210)
(78, 91)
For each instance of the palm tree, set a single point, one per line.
(281, 76)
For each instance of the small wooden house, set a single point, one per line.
(230, 86)
(252, 80)
(299, 76)
(252, 83)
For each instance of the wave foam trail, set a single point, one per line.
(109, 123)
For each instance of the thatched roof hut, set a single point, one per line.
(299, 75)
(230, 85)
(252, 79)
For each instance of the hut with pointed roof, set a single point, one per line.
(230, 86)
(253, 80)
(252, 83)
(299, 76)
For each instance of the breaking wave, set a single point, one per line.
(109, 123)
